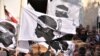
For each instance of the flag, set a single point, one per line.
(10, 17)
(7, 34)
(68, 9)
(38, 26)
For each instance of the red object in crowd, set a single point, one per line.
(10, 17)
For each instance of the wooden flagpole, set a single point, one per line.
(18, 27)
(2, 14)
(98, 15)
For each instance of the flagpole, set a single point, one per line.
(98, 16)
(2, 14)
(18, 27)
(48, 2)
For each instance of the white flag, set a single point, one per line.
(37, 26)
(68, 9)
(7, 27)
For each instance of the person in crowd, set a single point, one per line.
(97, 50)
(78, 29)
(94, 29)
(81, 26)
(82, 51)
(91, 38)
(76, 51)
(97, 37)
(75, 37)
(91, 42)
(83, 35)
(88, 51)
(87, 29)
(96, 33)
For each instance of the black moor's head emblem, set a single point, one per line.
(7, 31)
(48, 21)
(47, 33)
(62, 12)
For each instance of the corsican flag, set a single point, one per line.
(68, 9)
(7, 34)
(38, 26)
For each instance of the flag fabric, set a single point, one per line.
(68, 9)
(37, 26)
(23, 46)
(10, 17)
(40, 27)
(9, 27)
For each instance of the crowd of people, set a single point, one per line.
(89, 39)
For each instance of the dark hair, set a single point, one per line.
(82, 51)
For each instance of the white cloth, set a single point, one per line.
(23, 46)
(4, 30)
(71, 5)
(29, 22)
